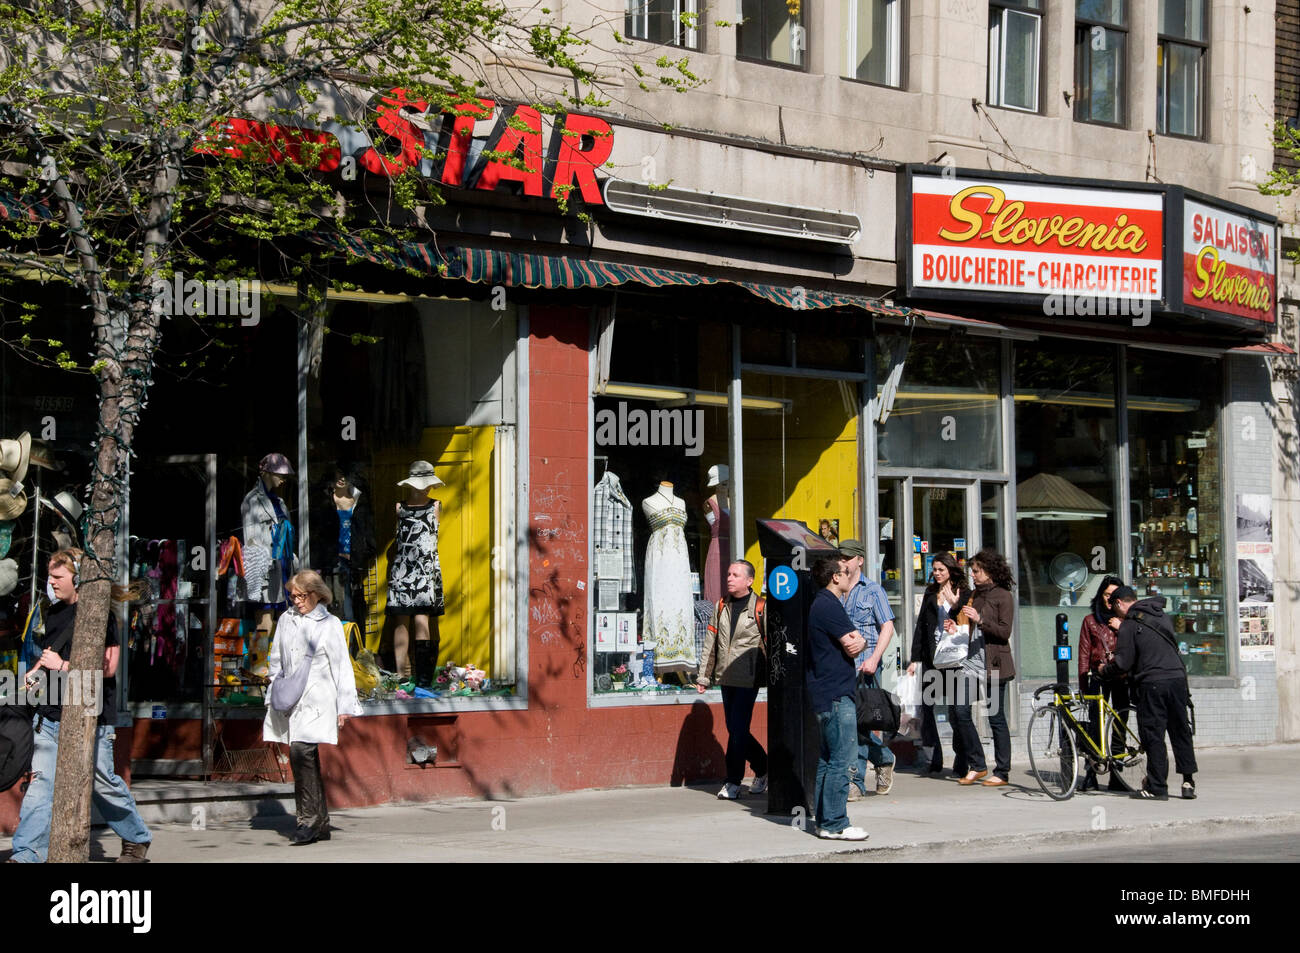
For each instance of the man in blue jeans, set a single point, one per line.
(868, 609)
(830, 681)
(110, 795)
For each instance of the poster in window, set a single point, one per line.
(606, 631)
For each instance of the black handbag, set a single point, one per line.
(878, 710)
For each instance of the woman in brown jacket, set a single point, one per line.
(993, 608)
(1098, 636)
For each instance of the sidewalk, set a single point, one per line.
(1242, 790)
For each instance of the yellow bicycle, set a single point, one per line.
(1060, 731)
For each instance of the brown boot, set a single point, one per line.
(133, 853)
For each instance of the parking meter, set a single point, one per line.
(1063, 649)
(789, 549)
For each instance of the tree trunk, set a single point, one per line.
(125, 371)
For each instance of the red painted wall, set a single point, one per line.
(558, 744)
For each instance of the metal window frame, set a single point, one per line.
(997, 78)
(684, 37)
(897, 43)
(761, 25)
(1083, 23)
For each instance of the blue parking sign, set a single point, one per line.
(782, 582)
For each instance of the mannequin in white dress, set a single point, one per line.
(669, 610)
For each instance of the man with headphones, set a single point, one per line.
(110, 794)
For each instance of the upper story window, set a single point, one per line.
(1100, 61)
(773, 31)
(1015, 32)
(1180, 68)
(674, 22)
(873, 40)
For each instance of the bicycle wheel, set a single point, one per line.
(1128, 758)
(1053, 758)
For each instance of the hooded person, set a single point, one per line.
(1147, 649)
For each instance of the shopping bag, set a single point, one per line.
(365, 670)
(954, 647)
(909, 706)
(877, 709)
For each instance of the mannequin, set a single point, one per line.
(415, 597)
(343, 544)
(718, 514)
(669, 612)
(268, 550)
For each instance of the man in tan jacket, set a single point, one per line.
(734, 655)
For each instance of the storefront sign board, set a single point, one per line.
(1229, 262)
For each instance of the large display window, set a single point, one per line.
(1067, 524)
(1176, 496)
(945, 413)
(661, 501)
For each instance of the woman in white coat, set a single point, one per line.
(308, 632)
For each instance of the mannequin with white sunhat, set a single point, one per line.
(718, 514)
(415, 597)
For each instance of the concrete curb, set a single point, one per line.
(1002, 845)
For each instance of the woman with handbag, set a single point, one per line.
(992, 608)
(311, 695)
(944, 598)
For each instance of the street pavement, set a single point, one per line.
(1243, 792)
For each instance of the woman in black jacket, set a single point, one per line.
(944, 598)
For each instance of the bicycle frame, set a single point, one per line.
(1100, 753)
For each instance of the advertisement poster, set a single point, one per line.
(1255, 633)
(1254, 549)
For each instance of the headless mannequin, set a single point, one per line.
(425, 626)
(661, 499)
(264, 619)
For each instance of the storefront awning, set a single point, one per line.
(1268, 349)
(518, 269)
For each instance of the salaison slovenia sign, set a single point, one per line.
(1020, 240)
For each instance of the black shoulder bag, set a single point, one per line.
(1191, 708)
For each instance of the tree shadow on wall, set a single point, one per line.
(699, 756)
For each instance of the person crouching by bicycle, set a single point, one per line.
(1097, 640)
(1147, 649)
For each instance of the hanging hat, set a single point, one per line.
(8, 576)
(70, 504)
(6, 536)
(15, 455)
(276, 463)
(422, 476)
(12, 505)
(719, 473)
(42, 456)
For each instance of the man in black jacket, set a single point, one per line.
(1148, 651)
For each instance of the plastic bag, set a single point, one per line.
(953, 648)
(365, 670)
(908, 690)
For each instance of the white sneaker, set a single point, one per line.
(729, 792)
(758, 785)
(849, 833)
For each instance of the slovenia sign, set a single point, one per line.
(974, 236)
(1229, 262)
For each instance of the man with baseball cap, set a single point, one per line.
(868, 609)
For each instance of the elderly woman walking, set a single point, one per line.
(311, 695)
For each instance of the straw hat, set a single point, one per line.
(69, 505)
(719, 473)
(12, 504)
(8, 576)
(14, 456)
(421, 476)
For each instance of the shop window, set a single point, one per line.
(1176, 523)
(1014, 41)
(806, 350)
(1066, 519)
(661, 502)
(1100, 61)
(411, 490)
(873, 40)
(672, 22)
(772, 31)
(946, 413)
(1181, 52)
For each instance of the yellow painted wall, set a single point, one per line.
(462, 458)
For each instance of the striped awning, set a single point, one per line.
(521, 270)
